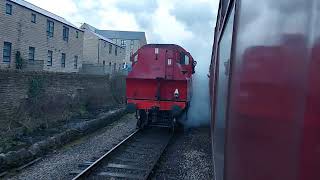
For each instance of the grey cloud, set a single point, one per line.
(139, 6)
(198, 17)
(144, 20)
(142, 10)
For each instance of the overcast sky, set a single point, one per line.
(188, 23)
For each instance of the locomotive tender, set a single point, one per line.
(265, 88)
(159, 87)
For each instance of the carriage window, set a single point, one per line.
(185, 60)
(222, 87)
(169, 62)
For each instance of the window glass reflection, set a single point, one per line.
(222, 93)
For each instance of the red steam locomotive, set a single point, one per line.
(265, 88)
(160, 84)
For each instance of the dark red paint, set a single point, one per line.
(157, 73)
(272, 122)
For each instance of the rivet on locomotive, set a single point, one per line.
(159, 87)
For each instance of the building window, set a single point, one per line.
(50, 28)
(104, 63)
(7, 52)
(31, 53)
(33, 18)
(110, 48)
(77, 34)
(110, 64)
(63, 60)
(49, 58)
(75, 62)
(123, 43)
(9, 9)
(131, 45)
(116, 51)
(65, 33)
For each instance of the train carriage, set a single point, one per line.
(264, 80)
(159, 87)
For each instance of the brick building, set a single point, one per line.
(45, 41)
(130, 40)
(101, 54)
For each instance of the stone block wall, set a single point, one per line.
(32, 99)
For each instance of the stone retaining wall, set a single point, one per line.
(33, 99)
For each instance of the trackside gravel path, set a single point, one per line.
(59, 164)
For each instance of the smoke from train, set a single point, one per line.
(199, 112)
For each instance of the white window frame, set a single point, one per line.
(50, 58)
(32, 52)
(169, 62)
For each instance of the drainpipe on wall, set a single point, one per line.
(99, 51)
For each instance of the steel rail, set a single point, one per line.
(96, 164)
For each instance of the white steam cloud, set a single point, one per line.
(199, 112)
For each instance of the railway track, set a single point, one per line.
(133, 158)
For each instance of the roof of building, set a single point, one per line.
(121, 34)
(92, 30)
(106, 39)
(43, 12)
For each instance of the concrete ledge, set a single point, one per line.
(15, 159)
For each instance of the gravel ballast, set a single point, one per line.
(59, 164)
(188, 156)
(14, 159)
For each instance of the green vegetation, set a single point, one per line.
(19, 60)
(83, 110)
(10, 144)
(35, 89)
